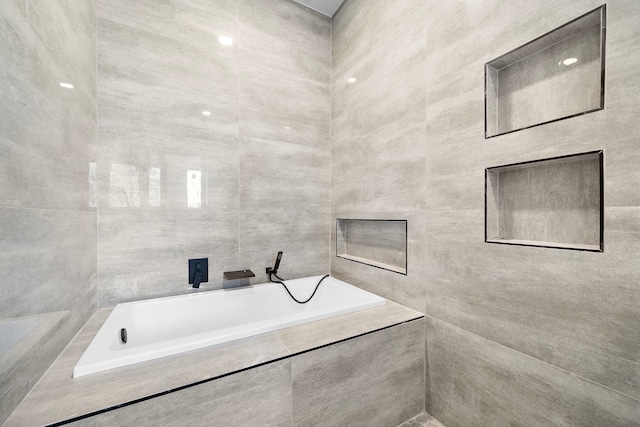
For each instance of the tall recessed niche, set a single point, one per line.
(554, 203)
(380, 243)
(556, 76)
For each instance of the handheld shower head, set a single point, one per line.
(274, 270)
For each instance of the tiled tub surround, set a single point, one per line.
(379, 243)
(173, 325)
(538, 82)
(362, 368)
(377, 134)
(47, 202)
(260, 158)
(554, 203)
(557, 328)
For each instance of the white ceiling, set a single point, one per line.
(326, 7)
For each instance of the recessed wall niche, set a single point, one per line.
(380, 243)
(556, 76)
(553, 203)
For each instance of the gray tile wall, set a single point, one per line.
(261, 159)
(257, 397)
(47, 209)
(371, 380)
(557, 328)
(378, 134)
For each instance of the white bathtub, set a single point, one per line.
(165, 326)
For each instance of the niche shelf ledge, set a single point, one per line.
(551, 203)
(378, 243)
(556, 76)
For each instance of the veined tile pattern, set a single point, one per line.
(47, 188)
(417, 101)
(378, 113)
(209, 150)
(569, 311)
(325, 355)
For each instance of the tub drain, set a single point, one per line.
(123, 335)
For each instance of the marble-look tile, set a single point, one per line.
(160, 68)
(395, 53)
(156, 83)
(375, 100)
(382, 170)
(351, 36)
(197, 22)
(47, 214)
(60, 397)
(143, 253)
(310, 335)
(404, 289)
(378, 241)
(546, 202)
(458, 153)
(135, 113)
(304, 243)
(48, 261)
(279, 106)
(157, 173)
(533, 90)
(383, 34)
(483, 32)
(26, 357)
(48, 131)
(359, 382)
(575, 310)
(351, 362)
(257, 397)
(278, 176)
(287, 36)
(475, 382)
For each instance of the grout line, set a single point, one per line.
(237, 371)
(97, 171)
(28, 208)
(534, 358)
(331, 212)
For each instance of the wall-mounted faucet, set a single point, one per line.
(240, 274)
(198, 271)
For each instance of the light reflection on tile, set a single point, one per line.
(194, 189)
(155, 198)
(93, 198)
(47, 185)
(124, 189)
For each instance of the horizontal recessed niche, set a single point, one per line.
(380, 243)
(553, 203)
(556, 76)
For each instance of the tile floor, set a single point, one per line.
(422, 420)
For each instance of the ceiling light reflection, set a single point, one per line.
(225, 40)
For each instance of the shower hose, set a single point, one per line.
(281, 281)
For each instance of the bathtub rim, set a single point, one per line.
(73, 399)
(93, 363)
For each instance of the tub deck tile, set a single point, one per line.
(328, 331)
(58, 397)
